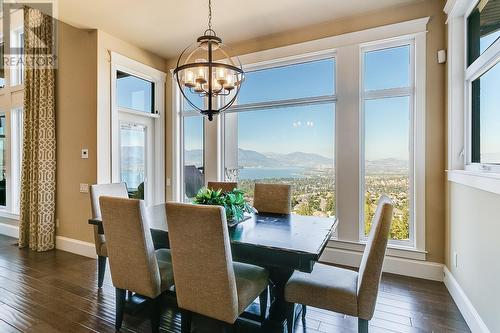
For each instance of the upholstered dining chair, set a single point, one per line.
(224, 186)
(208, 281)
(342, 290)
(273, 198)
(113, 190)
(135, 265)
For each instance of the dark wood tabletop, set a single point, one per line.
(293, 241)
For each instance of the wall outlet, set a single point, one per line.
(455, 259)
(57, 223)
(84, 188)
(85, 153)
(169, 182)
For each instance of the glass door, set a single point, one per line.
(134, 165)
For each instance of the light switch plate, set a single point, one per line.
(84, 188)
(85, 153)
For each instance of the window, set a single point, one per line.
(282, 130)
(134, 93)
(482, 81)
(16, 59)
(3, 161)
(133, 160)
(2, 65)
(387, 132)
(194, 164)
(486, 117)
(10, 160)
(137, 129)
(483, 29)
(342, 123)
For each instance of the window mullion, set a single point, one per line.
(283, 103)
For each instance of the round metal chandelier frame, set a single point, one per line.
(211, 42)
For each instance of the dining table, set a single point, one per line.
(280, 243)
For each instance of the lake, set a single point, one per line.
(263, 173)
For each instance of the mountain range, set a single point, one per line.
(253, 159)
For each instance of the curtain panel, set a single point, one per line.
(38, 175)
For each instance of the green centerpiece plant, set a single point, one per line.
(233, 202)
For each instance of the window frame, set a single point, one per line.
(157, 156)
(486, 61)
(458, 169)
(366, 95)
(17, 72)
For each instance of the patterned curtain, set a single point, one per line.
(38, 175)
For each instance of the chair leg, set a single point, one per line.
(304, 307)
(120, 306)
(263, 305)
(101, 269)
(362, 325)
(155, 314)
(186, 321)
(290, 317)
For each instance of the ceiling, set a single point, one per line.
(166, 27)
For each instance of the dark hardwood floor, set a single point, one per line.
(57, 292)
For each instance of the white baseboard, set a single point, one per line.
(471, 316)
(76, 246)
(9, 230)
(408, 267)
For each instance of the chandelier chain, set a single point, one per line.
(210, 14)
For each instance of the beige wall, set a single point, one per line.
(473, 229)
(107, 44)
(76, 100)
(435, 106)
(83, 86)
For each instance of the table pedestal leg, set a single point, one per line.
(279, 309)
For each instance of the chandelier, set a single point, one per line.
(207, 76)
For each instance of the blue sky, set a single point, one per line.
(311, 128)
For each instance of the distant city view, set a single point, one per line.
(312, 177)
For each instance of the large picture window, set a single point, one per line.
(282, 130)
(341, 123)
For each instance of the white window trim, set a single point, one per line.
(13, 164)
(347, 208)
(16, 72)
(416, 92)
(109, 134)
(460, 169)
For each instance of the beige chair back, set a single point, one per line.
(112, 190)
(370, 269)
(131, 252)
(202, 261)
(224, 186)
(118, 190)
(273, 198)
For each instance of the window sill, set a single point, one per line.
(392, 250)
(9, 215)
(486, 181)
